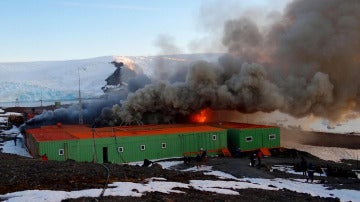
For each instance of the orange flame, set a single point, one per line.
(127, 61)
(201, 117)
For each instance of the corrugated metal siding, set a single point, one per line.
(237, 138)
(270, 142)
(176, 146)
(51, 149)
(82, 150)
(32, 145)
(256, 136)
(72, 149)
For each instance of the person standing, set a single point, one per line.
(238, 152)
(310, 171)
(259, 156)
(203, 155)
(303, 166)
(44, 157)
(252, 159)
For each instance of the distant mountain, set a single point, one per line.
(58, 80)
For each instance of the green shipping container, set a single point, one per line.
(271, 137)
(245, 139)
(129, 148)
(250, 137)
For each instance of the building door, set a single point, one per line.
(105, 155)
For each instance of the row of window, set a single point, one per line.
(163, 145)
(250, 138)
(142, 147)
(120, 149)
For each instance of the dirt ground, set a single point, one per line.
(19, 173)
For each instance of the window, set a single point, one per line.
(214, 137)
(249, 139)
(163, 145)
(120, 149)
(61, 152)
(142, 147)
(272, 137)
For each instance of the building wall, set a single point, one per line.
(134, 148)
(129, 149)
(271, 137)
(32, 145)
(252, 139)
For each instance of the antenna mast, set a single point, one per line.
(41, 99)
(81, 121)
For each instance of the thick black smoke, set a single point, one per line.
(93, 112)
(307, 62)
(97, 112)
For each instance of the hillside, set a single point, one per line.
(58, 80)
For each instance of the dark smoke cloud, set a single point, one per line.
(97, 112)
(319, 42)
(139, 81)
(307, 62)
(167, 45)
(70, 115)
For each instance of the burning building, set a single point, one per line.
(249, 137)
(135, 143)
(123, 144)
(304, 63)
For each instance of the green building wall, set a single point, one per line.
(271, 137)
(134, 148)
(128, 149)
(254, 138)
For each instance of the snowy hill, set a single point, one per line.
(58, 80)
(30, 82)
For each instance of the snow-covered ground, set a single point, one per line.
(225, 184)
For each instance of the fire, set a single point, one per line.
(201, 117)
(127, 61)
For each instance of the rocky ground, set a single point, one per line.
(19, 173)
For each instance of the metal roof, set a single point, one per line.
(240, 125)
(73, 132)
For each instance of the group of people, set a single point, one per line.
(307, 169)
(200, 158)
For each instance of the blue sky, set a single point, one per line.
(33, 30)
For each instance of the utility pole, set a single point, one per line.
(81, 121)
(17, 103)
(94, 148)
(41, 99)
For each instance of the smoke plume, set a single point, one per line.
(92, 112)
(306, 62)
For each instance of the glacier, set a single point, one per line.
(30, 82)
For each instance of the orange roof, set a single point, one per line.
(72, 132)
(240, 125)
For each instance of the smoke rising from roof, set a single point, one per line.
(92, 112)
(306, 62)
